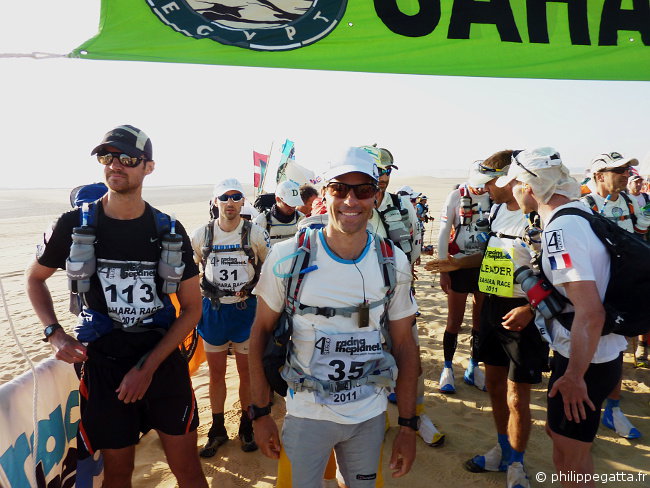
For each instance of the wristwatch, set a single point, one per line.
(413, 422)
(49, 330)
(255, 412)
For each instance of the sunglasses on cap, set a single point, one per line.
(385, 171)
(362, 191)
(486, 170)
(514, 158)
(619, 170)
(106, 158)
(235, 198)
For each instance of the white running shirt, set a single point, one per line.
(336, 283)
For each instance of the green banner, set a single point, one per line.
(561, 39)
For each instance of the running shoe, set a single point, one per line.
(447, 381)
(430, 435)
(517, 477)
(615, 419)
(475, 378)
(210, 448)
(490, 461)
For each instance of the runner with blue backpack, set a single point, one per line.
(123, 258)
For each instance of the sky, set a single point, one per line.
(205, 121)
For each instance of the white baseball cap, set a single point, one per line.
(408, 191)
(528, 161)
(289, 192)
(354, 160)
(611, 160)
(226, 186)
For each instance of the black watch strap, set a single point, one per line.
(255, 412)
(413, 422)
(51, 329)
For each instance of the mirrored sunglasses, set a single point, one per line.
(107, 157)
(235, 198)
(385, 171)
(486, 170)
(362, 191)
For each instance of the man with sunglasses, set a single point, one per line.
(394, 216)
(347, 318)
(231, 251)
(509, 344)
(610, 172)
(134, 378)
(463, 208)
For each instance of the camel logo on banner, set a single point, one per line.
(260, 25)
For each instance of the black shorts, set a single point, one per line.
(601, 379)
(524, 352)
(169, 404)
(464, 280)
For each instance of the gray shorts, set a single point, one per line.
(308, 444)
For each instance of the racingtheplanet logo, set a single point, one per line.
(260, 25)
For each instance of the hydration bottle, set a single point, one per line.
(171, 266)
(540, 292)
(465, 207)
(81, 264)
(482, 227)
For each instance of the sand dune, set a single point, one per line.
(465, 417)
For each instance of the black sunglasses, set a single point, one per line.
(106, 158)
(362, 191)
(235, 198)
(619, 171)
(385, 171)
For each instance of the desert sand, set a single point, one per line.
(465, 417)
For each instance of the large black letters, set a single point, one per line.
(498, 12)
(615, 19)
(538, 22)
(418, 25)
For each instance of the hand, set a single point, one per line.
(67, 348)
(574, 395)
(403, 453)
(134, 385)
(267, 437)
(443, 265)
(518, 318)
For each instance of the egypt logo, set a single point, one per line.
(261, 25)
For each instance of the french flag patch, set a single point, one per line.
(562, 261)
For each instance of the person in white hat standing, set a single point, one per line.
(231, 251)
(585, 366)
(339, 367)
(281, 220)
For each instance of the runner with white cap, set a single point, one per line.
(281, 220)
(231, 251)
(463, 207)
(585, 366)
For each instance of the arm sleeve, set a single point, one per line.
(55, 248)
(191, 268)
(447, 216)
(261, 242)
(270, 287)
(402, 304)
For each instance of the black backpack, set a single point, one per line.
(264, 201)
(629, 282)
